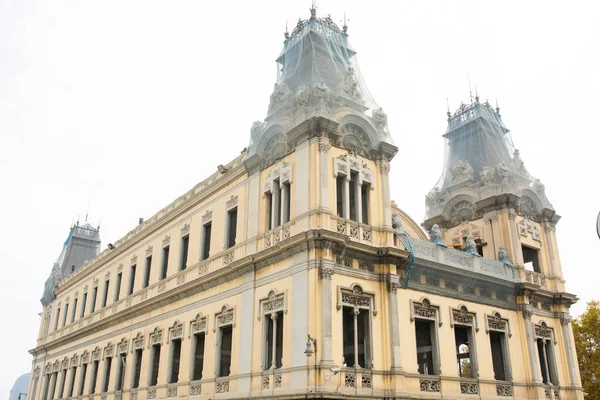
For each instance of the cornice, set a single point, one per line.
(188, 200)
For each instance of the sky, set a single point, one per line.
(125, 105)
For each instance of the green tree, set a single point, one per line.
(586, 330)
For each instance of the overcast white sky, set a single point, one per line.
(131, 103)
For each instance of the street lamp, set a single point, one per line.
(309, 346)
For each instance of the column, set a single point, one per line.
(347, 197)
(283, 204)
(393, 284)
(545, 363)
(549, 230)
(572, 365)
(356, 311)
(252, 212)
(274, 341)
(384, 167)
(324, 147)
(534, 362)
(326, 272)
(358, 198)
(246, 318)
(275, 205)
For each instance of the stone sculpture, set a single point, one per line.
(470, 246)
(397, 225)
(436, 236)
(461, 171)
(487, 175)
(503, 256)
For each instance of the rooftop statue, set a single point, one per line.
(436, 236)
(397, 225)
(503, 255)
(471, 246)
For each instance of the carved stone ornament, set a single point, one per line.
(119, 269)
(108, 350)
(138, 342)
(166, 241)
(207, 216)
(151, 394)
(542, 331)
(176, 331)
(461, 171)
(355, 297)
(225, 317)
(155, 337)
(348, 87)
(527, 314)
(504, 390)
(232, 202)
(463, 317)
(471, 246)
(346, 163)
(222, 387)
(134, 260)
(281, 171)
(324, 145)
(96, 354)
(195, 389)
(503, 255)
(281, 96)
(122, 346)
(199, 325)
(429, 385)
(228, 258)
(185, 230)
(172, 392)
(326, 272)
(469, 388)
(149, 251)
(273, 303)
(393, 283)
(380, 119)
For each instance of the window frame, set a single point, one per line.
(274, 303)
(496, 323)
(199, 326)
(224, 318)
(424, 310)
(360, 300)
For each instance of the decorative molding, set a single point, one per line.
(429, 385)
(185, 230)
(469, 388)
(273, 303)
(155, 337)
(222, 387)
(393, 283)
(120, 268)
(281, 171)
(134, 260)
(232, 202)
(278, 380)
(172, 392)
(356, 297)
(149, 251)
(122, 346)
(504, 390)
(326, 272)
(462, 316)
(228, 258)
(138, 342)
(175, 332)
(199, 325)
(350, 380)
(108, 350)
(225, 317)
(346, 163)
(151, 394)
(195, 389)
(425, 310)
(166, 241)
(495, 322)
(324, 145)
(207, 217)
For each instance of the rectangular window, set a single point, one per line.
(198, 363)
(353, 184)
(463, 338)
(274, 341)
(497, 343)
(546, 355)
(137, 368)
(340, 184)
(94, 296)
(105, 298)
(175, 360)
(426, 347)
(57, 318)
(226, 336)
(356, 352)
(120, 372)
(118, 286)
(231, 227)
(64, 321)
(53, 379)
(83, 304)
(131, 279)
(63, 381)
(46, 386)
(154, 364)
(286, 192)
(71, 381)
(147, 272)
(269, 197)
(165, 263)
(94, 376)
(276, 204)
(74, 312)
(365, 189)
(106, 381)
(185, 242)
(206, 232)
(82, 379)
(531, 259)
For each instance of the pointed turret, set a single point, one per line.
(482, 170)
(318, 77)
(82, 244)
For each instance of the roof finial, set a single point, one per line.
(88, 210)
(286, 34)
(497, 108)
(345, 27)
(469, 80)
(476, 95)
(313, 9)
(448, 107)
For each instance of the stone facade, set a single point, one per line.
(298, 268)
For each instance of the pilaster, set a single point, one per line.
(324, 175)
(534, 363)
(302, 184)
(567, 334)
(326, 272)
(393, 283)
(253, 212)
(247, 319)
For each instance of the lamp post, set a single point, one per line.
(594, 381)
(310, 344)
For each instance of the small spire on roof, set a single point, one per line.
(286, 34)
(497, 108)
(448, 108)
(345, 26)
(313, 9)
(476, 95)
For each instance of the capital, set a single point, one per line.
(326, 272)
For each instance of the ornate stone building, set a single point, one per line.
(290, 273)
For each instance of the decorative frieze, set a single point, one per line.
(424, 310)
(108, 350)
(138, 342)
(365, 266)
(228, 258)
(422, 248)
(357, 298)
(495, 322)
(458, 257)
(492, 267)
(122, 346)
(273, 303)
(462, 316)
(542, 331)
(202, 270)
